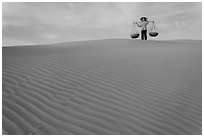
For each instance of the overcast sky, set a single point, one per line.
(36, 23)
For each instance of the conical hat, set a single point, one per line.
(143, 18)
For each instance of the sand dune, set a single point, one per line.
(103, 87)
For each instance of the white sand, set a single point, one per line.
(103, 87)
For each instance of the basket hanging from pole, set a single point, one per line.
(153, 30)
(134, 32)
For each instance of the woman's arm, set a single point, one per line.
(138, 24)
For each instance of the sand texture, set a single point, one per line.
(116, 86)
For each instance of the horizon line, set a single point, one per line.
(97, 40)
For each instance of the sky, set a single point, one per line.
(48, 22)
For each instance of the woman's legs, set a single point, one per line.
(144, 34)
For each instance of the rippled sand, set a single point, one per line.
(103, 87)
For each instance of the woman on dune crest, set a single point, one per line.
(143, 24)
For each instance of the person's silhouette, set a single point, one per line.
(143, 24)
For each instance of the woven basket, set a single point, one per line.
(135, 35)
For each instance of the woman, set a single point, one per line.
(143, 24)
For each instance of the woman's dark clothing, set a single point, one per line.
(144, 34)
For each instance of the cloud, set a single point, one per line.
(38, 23)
